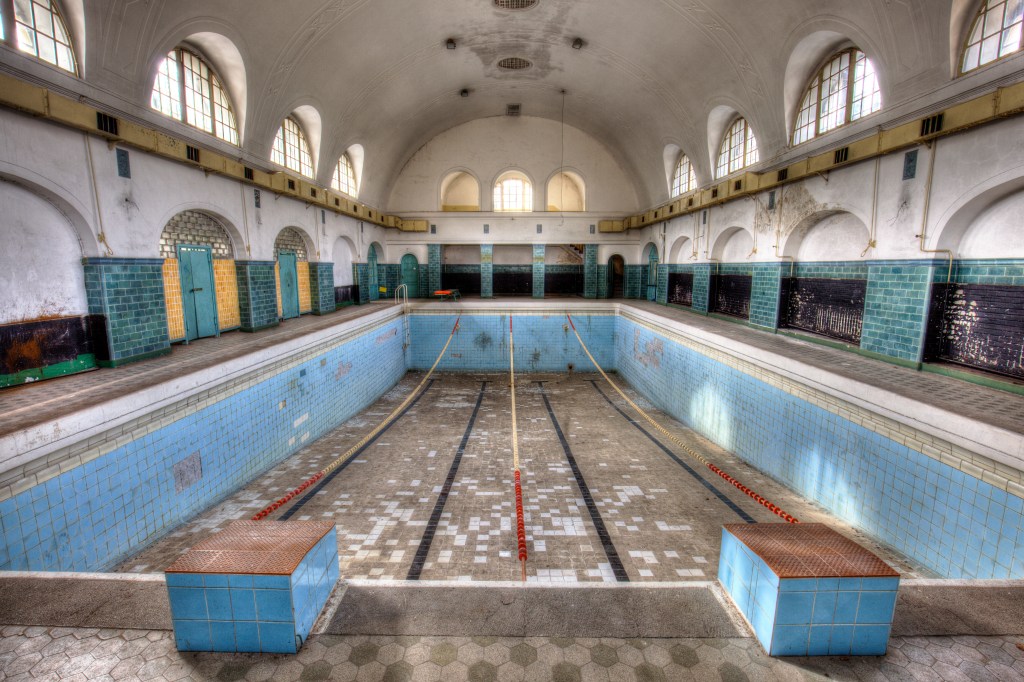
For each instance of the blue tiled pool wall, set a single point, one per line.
(948, 521)
(253, 613)
(807, 616)
(91, 517)
(544, 343)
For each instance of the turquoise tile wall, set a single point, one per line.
(830, 270)
(1006, 272)
(129, 293)
(591, 272)
(538, 270)
(486, 271)
(662, 295)
(361, 276)
(896, 308)
(949, 522)
(701, 286)
(602, 282)
(635, 281)
(321, 287)
(433, 267)
(91, 517)
(765, 292)
(257, 294)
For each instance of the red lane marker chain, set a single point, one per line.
(775, 509)
(520, 522)
(280, 502)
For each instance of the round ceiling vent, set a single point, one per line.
(514, 63)
(515, 4)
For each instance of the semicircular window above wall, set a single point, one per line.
(41, 32)
(291, 149)
(344, 179)
(187, 89)
(683, 178)
(513, 192)
(844, 90)
(739, 149)
(995, 33)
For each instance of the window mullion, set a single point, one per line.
(10, 30)
(851, 77)
(179, 59)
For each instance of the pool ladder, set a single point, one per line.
(402, 296)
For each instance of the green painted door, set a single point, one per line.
(198, 292)
(289, 284)
(411, 274)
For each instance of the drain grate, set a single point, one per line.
(515, 4)
(514, 63)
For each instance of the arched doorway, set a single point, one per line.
(652, 272)
(196, 241)
(373, 280)
(411, 274)
(616, 274)
(289, 251)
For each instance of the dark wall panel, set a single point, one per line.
(563, 284)
(978, 325)
(513, 283)
(829, 307)
(468, 283)
(730, 295)
(680, 288)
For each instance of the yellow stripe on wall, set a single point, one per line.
(172, 300)
(305, 301)
(277, 281)
(226, 284)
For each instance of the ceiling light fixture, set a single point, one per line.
(577, 43)
(450, 43)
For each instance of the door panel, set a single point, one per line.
(289, 285)
(411, 274)
(198, 291)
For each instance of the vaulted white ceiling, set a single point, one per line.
(651, 72)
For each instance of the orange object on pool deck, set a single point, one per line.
(448, 294)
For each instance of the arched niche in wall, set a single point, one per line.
(294, 239)
(997, 232)
(566, 192)
(734, 245)
(196, 228)
(681, 250)
(460, 191)
(342, 254)
(827, 236)
(41, 272)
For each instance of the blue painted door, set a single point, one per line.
(411, 274)
(198, 292)
(289, 284)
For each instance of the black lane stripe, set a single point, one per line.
(435, 516)
(595, 516)
(719, 494)
(329, 477)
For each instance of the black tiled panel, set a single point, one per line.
(978, 325)
(513, 283)
(680, 288)
(829, 307)
(468, 283)
(730, 295)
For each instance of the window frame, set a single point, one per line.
(11, 32)
(498, 192)
(748, 150)
(213, 84)
(976, 23)
(304, 155)
(345, 160)
(815, 89)
(676, 187)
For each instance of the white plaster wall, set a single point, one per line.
(40, 260)
(461, 254)
(558, 254)
(512, 255)
(838, 237)
(490, 146)
(998, 232)
(735, 248)
(342, 257)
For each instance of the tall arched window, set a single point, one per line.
(996, 33)
(830, 101)
(683, 178)
(344, 179)
(513, 192)
(187, 89)
(739, 149)
(41, 32)
(291, 149)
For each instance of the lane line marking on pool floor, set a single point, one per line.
(595, 515)
(435, 516)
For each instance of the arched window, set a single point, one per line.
(739, 149)
(567, 192)
(42, 33)
(344, 179)
(830, 101)
(996, 33)
(187, 89)
(513, 192)
(291, 150)
(683, 179)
